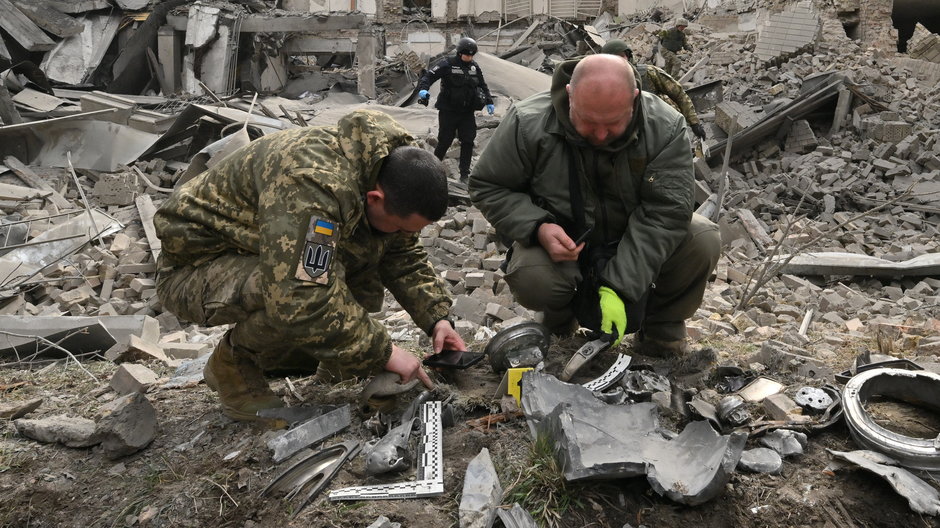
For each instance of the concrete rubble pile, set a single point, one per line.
(853, 169)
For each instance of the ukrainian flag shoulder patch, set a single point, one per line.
(318, 246)
(322, 227)
(320, 230)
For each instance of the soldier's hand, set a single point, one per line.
(699, 131)
(490, 108)
(557, 243)
(423, 97)
(407, 366)
(444, 336)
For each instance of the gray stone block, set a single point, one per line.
(127, 425)
(761, 460)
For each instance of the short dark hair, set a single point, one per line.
(414, 182)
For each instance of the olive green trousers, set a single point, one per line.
(540, 284)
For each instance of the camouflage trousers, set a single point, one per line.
(227, 290)
(540, 284)
(673, 64)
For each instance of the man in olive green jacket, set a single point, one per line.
(294, 239)
(596, 159)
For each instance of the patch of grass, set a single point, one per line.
(541, 488)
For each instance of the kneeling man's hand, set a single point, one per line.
(613, 314)
(407, 366)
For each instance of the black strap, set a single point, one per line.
(574, 191)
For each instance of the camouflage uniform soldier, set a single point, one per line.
(673, 40)
(293, 239)
(656, 81)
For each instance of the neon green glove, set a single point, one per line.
(613, 314)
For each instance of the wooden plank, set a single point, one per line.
(293, 24)
(8, 112)
(132, 5)
(4, 52)
(19, 193)
(535, 23)
(41, 124)
(753, 228)
(308, 45)
(33, 180)
(147, 210)
(157, 69)
(50, 19)
(36, 100)
(169, 53)
(22, 29)
(78, 6)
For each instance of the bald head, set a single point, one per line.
(600, 95)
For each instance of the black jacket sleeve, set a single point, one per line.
(486, 89)
(433, 75)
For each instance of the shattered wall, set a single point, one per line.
(875, 24)
(318, 6)
(629, 7)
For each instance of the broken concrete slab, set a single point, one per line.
(481, 493)
(785, 442)
(596, 440)
(788, 33)
(66, 430)
(842, 263)
(126, 425)
(49, 18)
(131, 377)
(30, 342)
(22, 29)
(74, 59)
(88, 333)
(923, 44)
(94, 145)
(921, 496)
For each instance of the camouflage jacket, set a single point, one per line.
(655, 80)
(296, 199)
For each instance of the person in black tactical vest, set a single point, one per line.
(463, 92)
(674, 40)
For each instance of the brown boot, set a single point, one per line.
(559, 323)
(647, 346)
(239, 382)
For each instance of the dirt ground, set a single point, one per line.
(205, 470)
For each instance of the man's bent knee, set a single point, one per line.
(538, 283)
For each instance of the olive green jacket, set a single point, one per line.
(289, 193)
(637, 192)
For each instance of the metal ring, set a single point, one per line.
(915, 387)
